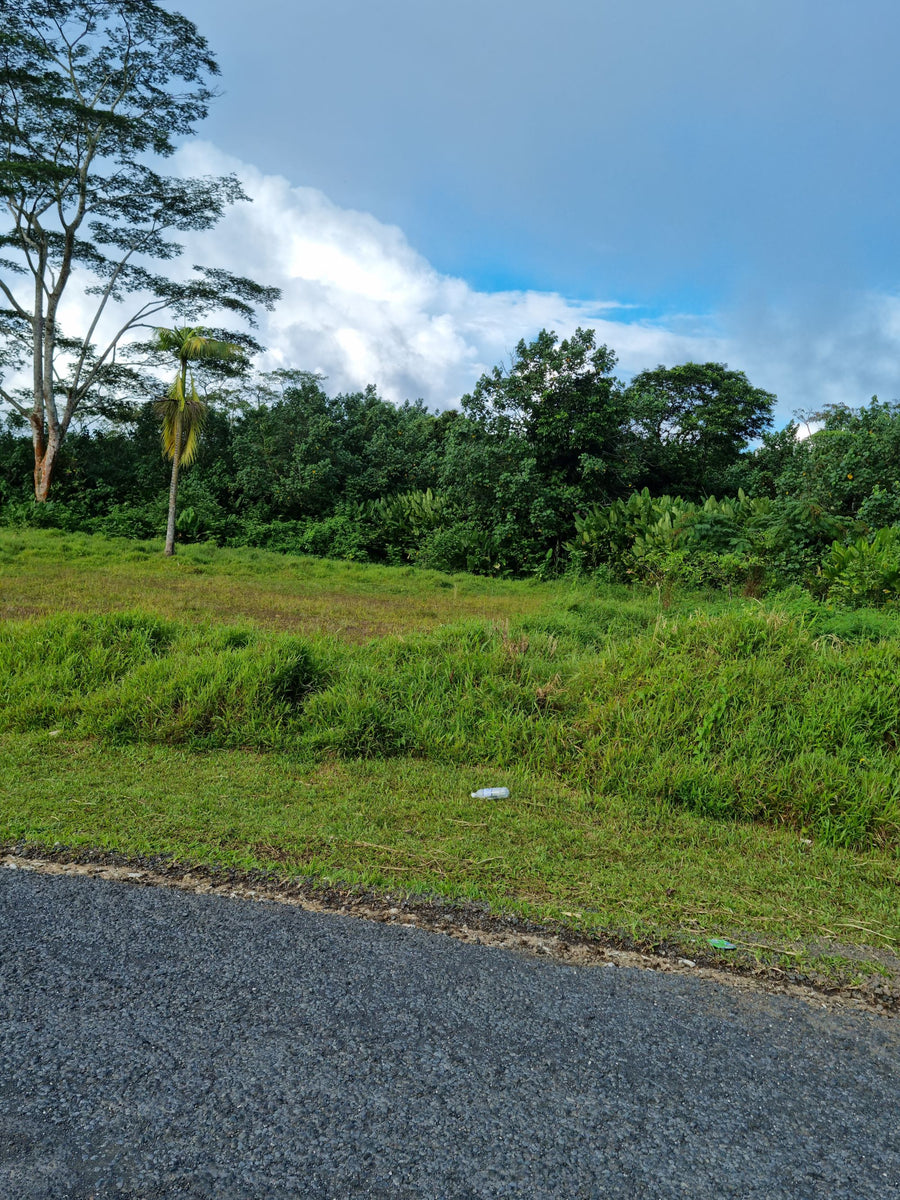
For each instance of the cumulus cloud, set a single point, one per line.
(360, 305)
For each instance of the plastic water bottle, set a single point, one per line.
(490, 794)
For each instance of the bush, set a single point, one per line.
(865, 573)
(460, 546)
(881, 507)
(130, 521)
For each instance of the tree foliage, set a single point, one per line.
(692, 422)
(562, 400)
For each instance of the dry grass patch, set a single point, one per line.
(46, 571)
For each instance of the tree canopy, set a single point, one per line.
(562, 399)
(692, 422)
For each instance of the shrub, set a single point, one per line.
(867, 572)
(460, 546)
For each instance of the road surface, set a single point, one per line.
(156, 1043)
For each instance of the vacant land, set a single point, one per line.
(50, 572)
(702, 768)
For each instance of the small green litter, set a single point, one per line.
(721, 944)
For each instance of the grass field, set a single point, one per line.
(676, 772)
(49, 572)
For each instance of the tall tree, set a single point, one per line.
(562, 398)
(181, 411)
(691, 423)
(538, 441)
(90, 92)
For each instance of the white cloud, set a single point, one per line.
(360, 305)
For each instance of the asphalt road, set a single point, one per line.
(161, 1044)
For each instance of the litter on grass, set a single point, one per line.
(490, 794)
(721, 944)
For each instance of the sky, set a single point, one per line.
(435, 179)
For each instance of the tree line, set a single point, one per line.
(549, 464)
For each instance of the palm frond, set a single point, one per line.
(201, 346)
(169, 340)
(192, 421)
(176, 390)
(193, 413)
(169, 434)
(191, 343)
(187, 412)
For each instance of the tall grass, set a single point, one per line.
(739, 712)
(131, 677)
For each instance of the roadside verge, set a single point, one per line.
(476, 923)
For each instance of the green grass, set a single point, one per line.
(47, 571)
(742, 714)
(711, 768)
(548, 852)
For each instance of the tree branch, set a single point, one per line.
(23, 312)
(104, 299)
(134, 321)
(5, 395)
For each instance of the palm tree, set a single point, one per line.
(181, 410)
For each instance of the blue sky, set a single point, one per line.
(728, 171)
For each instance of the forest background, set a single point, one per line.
(550, 465)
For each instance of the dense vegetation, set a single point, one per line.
(548, 466)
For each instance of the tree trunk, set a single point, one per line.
(46, 448)
(173, 487)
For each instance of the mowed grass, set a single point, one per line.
(47, 571)
(722, 768)
(548, 852)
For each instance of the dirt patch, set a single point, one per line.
(466, 922)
